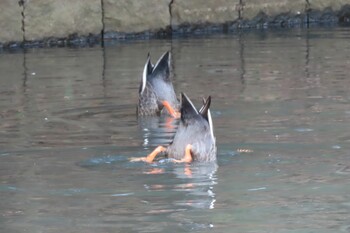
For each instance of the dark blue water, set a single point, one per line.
(281, 111)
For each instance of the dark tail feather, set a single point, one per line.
(205, 108)
(149, 64)
(162, 67)
(201, 109)
(188, 110)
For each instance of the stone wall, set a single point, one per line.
(10, 21)
(60, 18)
(134, 16)
(26, 22)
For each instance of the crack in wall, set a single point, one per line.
(239, 8)
(307, 11)
(103, 23)
(171, 15)
(22, 3)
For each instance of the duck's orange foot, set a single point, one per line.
(155, 171)
(171, 110)
(188, 155)
(149, 158)
(176, 114)
(137, 159)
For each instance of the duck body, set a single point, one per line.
(195, 129)
(203, 146)
(194, 139)
(156, 89)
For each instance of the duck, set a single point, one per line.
(194, 139)
(156, 90)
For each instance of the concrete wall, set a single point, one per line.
(10, 21)
(32, 21)
(60, 18)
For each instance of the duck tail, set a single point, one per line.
(188, 110)
(147, 70)
(204, 110)
(162, 67)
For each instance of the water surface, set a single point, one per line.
(281, 111)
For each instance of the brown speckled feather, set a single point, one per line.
(156, 87)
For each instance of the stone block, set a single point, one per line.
(133, 16)
(52, 18)
(199, 11)
(10, 21)
(323, 4)
(272, 8)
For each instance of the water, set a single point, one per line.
(281, 111)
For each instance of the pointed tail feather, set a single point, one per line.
(205, 108)
(147, 70)
(188, 110)
(162, 67)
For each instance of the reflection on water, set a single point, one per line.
(281, 111)
(157, 130)
(201, 185)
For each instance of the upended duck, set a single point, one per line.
(156, 90)
(194, 139)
